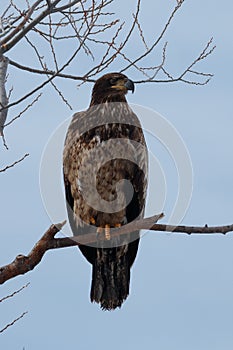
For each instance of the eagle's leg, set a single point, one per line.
(107, 232)
(106, 229)
(99, 229)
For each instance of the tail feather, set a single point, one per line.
(110, 277)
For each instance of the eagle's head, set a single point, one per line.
(111, 87)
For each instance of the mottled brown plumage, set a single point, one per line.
(105, 175)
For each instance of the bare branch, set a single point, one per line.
(4, 141)
(39, 87)
(14, 293)
(13, 164)
(6, 46)
(141, 32)
(49, 72)
(13, 322)
(23, 111)
(22, 264)
(69, 5)
(21, 25)
(156, 42)
(3, 94)
(105, 64)
(205, 53)
(83, 21)
(11, 296)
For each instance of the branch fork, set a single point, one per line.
(22, 264)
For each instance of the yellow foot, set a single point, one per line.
(107, 232)
(92, 221)
(99, 230)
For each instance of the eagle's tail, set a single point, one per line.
(110, 277)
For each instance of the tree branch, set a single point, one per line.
(21, 25)
(13, 322)
(156, 42)
(3, 95)
(14, 293)
(48, 72)
(11, 296)
(22, 264)
(13, 164)
(6, 46)
(88, 26)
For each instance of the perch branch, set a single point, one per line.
(22, 264)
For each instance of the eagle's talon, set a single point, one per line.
(107, 232)
(99, 231)
(92, 220)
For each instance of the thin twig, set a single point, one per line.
(13, 164)
(23, 111)
(14, 293)
(149, 50)
(13, 322)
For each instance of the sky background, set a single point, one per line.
(181, 286)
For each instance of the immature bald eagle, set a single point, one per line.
(104, 151)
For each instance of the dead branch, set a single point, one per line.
(49, 72)
(3, 94)
(156, 42)
(22, 264)
(11, 296)
(23, 111)
(13, 322)
(26, 18)
(13, 164)
(22, 30)
(42, 85)
(14, 293)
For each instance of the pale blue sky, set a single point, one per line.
(182, 286)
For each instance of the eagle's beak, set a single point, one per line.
(124, 85)
(129, 85)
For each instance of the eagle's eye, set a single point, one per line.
(113, 81)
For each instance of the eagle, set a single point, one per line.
(105, 165)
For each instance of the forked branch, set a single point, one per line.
(22, 264)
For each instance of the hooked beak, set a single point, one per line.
(129, 85)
